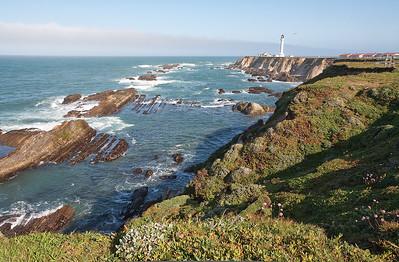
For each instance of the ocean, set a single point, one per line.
(31, 94)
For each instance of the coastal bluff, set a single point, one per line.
(289, 69)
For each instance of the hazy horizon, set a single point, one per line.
(176, 28)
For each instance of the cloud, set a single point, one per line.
(54, 39)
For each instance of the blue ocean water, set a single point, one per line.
(31, 92)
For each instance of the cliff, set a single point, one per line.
(290, 69)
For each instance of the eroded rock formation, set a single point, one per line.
(109, 102)
(71, 141)
(290, 69)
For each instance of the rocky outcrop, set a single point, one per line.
(178, 158)
(251, 109)
(136, 203)
(148, 77)
(170, 66)
(71, 98)
(53, 222)
(290, 69)
(71, 141)
(109, 102)
(265, 90)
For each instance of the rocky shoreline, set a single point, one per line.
(74, 141)
(287, 69)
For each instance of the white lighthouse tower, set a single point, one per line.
(281, 54)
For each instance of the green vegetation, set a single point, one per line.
(56, 247)
(328, 156)
(235, 239)
(318, 181)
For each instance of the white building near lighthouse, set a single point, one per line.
(280, 54)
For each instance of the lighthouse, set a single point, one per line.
(281, 46)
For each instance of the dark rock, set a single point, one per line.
(236, 92)
(136, 203)
(169, 177)
(252, 80)
(148, 77)
(149, 173)
(221, 91)
(178, 158)
(137, 171)
(131, 78)
(71, 98)
(53, 222)
(259, 90)
(160, 71)
(169, 66)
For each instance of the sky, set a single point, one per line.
(202, 27)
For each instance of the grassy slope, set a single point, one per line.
(56, 247)
(332, 162)
(329, 156)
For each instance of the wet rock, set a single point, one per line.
(136, 203)
(149, 173)
(259, 90)
(169, 66)
(236, 92)
(251, 109)
(110, 102)
(131, 78)
(53, 222)
(137, 171)
(265, 90)
(178, 158)
(71, 141)
(71, 98)
(169, 177)
(148, 77)
(221, 91)
(160, 71)
(252, 80)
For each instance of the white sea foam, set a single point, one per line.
(22, 212)
(146, 66)
(188, 65)
(219, 103)
(50, 112)
(108, 124)
(146, 85)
